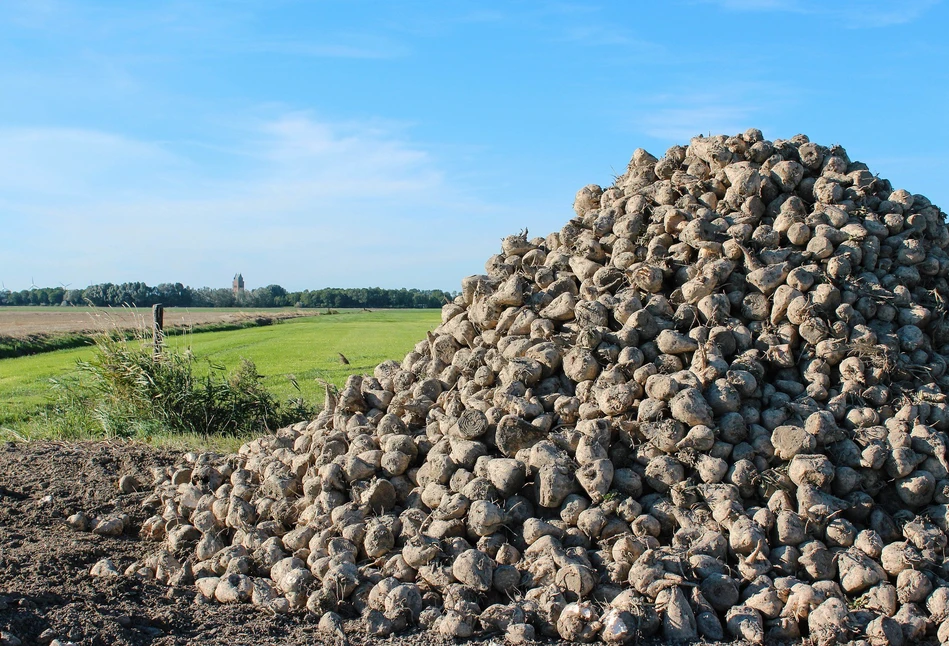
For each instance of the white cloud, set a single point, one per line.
(757, 5)
(66, 162)
(886, 14)
(853, 14)
(336, 46)
(327, 159)
(306, 203)
(598, 35)
(683, 123)
(693, 110)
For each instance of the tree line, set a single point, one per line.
(139, 294)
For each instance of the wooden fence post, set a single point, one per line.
(158, 325)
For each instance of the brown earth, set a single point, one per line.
(26, 322)
(46, 591)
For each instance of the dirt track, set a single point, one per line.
(46, 592)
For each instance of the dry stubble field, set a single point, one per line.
(23, 322)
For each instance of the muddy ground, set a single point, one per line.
(46, 592)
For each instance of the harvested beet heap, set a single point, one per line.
(712, 405)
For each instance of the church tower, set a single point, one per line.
(238, 285)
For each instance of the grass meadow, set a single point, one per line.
(293, 355)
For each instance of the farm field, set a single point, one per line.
(23, 322)
(300, 350)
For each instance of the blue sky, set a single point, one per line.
(392, 144)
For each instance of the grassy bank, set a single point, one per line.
(292, 355)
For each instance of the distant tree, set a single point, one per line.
(54, 296)
(269, 296)
(96, 294)
(139, 294)
(174, 295)
(39, 296)
(225, 298)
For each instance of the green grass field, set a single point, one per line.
(304, 350)
(32, 330)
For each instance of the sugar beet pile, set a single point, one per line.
(712, 405)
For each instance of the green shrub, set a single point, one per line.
(127, 391)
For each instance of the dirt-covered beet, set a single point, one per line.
(712, 405)
(47, 592)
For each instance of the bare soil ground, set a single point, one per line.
(46, 592)
(26, 322)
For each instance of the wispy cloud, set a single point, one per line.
(358, 160)
(757, 5)
(181, 27)
(853, 14)
(65, 163)
(886, 14)
(693, 109)
(308, 200)
(598, 36)
(481, 15)
(337, 46)
(682, 123)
